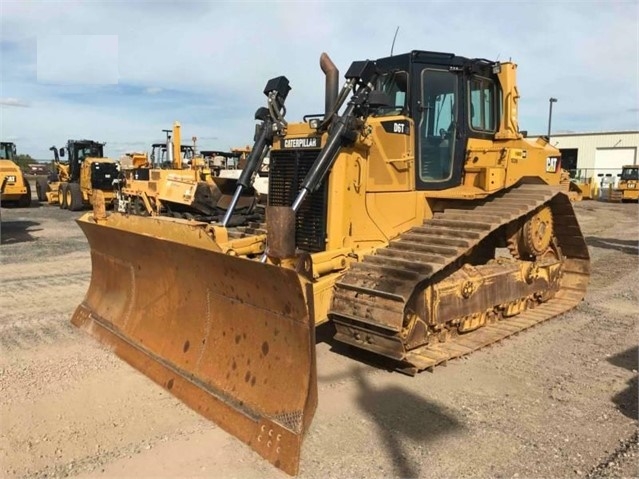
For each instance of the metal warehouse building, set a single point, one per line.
(592, 154)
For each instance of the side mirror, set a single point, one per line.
(61, 151)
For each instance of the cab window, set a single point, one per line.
(630, 174)
(395, 85)
(482, 104)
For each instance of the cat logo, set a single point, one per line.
(552, 163)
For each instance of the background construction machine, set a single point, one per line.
(47, 187)
(260, 179)
(629, 183)
(86, 170)
(16, 189)
(178, 182)
(419, 221)
(627, 188)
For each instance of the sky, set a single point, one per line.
(121, 71)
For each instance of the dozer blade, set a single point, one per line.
(230, 337)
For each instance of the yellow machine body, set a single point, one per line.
(400, 244)
(629, 183)
(76, 180)
(15, 187)
(177, 188)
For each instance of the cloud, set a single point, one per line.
(14, 102)
(77, 59)
(211, 78)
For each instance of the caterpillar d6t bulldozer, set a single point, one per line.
(419, 220)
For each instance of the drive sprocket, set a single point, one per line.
(533, 237)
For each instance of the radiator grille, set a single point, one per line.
(102, 175)
(287, 170)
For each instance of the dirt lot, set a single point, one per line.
(557, 401)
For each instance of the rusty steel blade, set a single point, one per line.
(230, 337)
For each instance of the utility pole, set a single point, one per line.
(551, 101)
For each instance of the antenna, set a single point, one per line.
(394, 38)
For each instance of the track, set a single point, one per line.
(372, 297)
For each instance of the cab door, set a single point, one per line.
(439, 129)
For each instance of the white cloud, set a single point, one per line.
(585, 54)
(14, 102)
(77, 59)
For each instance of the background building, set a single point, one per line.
(591, 154)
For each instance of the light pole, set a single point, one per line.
(551, 101)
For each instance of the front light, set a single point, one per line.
(314, 123)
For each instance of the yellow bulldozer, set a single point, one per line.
(627, 188)
(15, 187)
(419, 221)
(629, 183)
(87, 170)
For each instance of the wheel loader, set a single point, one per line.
(412, 214)
(16, 188)
(86, 171)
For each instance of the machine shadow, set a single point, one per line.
(625, 246)
(13, 232)
(325, 333)
(400, 416)
(626, 400)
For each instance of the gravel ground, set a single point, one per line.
(557, 401)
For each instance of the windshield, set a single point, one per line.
(7, 151)
(630, 174)
(89, 151)
(187, 152)
(395, 85)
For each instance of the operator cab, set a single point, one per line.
(161, 159)
(7, 150)
(78, 151)
(450, 99)
(630, 173)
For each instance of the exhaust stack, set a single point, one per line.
(56, 156)
(332, 82)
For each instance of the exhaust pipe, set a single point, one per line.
(56, 156)
(332, 82)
